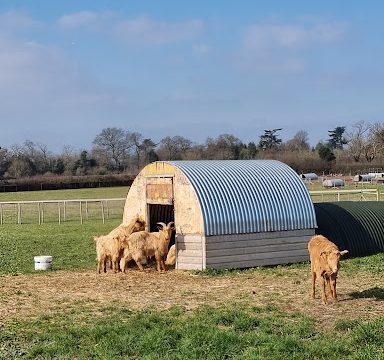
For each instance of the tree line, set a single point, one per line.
(116, 150)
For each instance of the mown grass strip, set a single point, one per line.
(206, 333)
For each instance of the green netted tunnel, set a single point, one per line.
(355, 226)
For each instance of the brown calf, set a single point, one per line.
(325, 262)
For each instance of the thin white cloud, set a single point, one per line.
(292, 36)
(79, 19)
(145, 30)
(85, 19)
(16, 20)
(279, 47)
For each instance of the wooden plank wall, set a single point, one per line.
(257, 249)
(190, 254)
(242, 250)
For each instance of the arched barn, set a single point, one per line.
(227, 213)
(357, 226)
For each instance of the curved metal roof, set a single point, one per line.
(355, 226)
(247, 196)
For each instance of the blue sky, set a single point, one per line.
(196, 69)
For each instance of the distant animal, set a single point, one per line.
(142, 244)
(171, 256)
(325, 263)
(109, 248)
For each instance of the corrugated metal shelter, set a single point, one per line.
(362, 177)
(333, 183)
(227, 213)
(309, 176)
(355, 226)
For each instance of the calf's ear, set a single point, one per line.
(344, 252)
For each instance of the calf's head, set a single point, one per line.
(332, 258)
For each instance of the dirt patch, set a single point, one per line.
(28, 296)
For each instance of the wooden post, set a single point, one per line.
(1, 214)
(102, 211)
(42, 212)
(18, 213)
(65, 210)
(86, 210)
(39, 212)
(81, 213)
(58, 208)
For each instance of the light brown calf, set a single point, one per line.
(325, 263)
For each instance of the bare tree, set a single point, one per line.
(69, 157)
(174, 148)
(115, 143)
(375, 142)
(356, 140)
(299, 142)
(4, 160)
(224, 147)
(136, 139)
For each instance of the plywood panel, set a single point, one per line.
(189, 246)
(260, 236)
(190, 266)
(252, 243)
(256, 249)
(302, 254)
(258, 262)
(190, 252)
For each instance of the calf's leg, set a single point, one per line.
(313, 288)
(333, 287)
(323, 293)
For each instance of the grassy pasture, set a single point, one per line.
(337, 194)
(66, 194)
(70, 211)
(262, 313)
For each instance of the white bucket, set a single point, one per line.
(43, 262)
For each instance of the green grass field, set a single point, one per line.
(94, 193)
(87, 329)
(58, 206)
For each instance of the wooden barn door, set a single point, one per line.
(159, 197)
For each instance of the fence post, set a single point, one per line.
(39, 212)
(81, 213)
(102, 211)
(18, 213)
(65, 210)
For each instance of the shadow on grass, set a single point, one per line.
(375, 292)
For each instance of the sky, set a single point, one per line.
(197, 68)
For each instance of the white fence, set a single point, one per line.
(346, 195)
(20, 212)
(60, 210)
